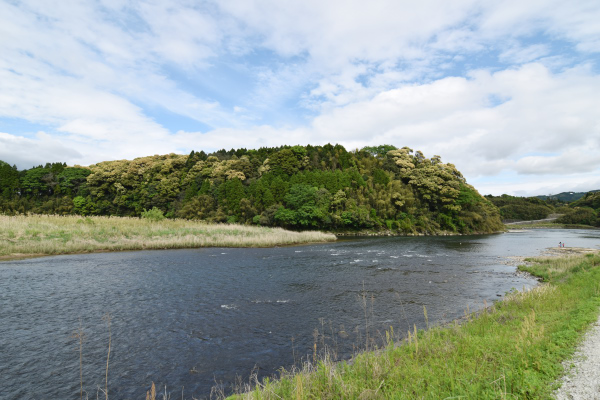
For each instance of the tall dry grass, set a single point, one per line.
(51, 234)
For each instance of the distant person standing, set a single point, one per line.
(560, 244)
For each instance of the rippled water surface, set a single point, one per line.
(190, 318)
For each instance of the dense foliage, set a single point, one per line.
(590, 199)
(564, 197)
(585, 211)
(324, 187)
(521, 208)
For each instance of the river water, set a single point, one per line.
(191, 319)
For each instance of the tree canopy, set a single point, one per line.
(297, 187)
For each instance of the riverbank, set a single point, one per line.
(583, 370)
(513, 349)
(387, 232)
(546, 225)
(43, 235)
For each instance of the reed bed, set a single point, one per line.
(511, 350)
(30, 235)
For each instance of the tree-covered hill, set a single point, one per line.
(514, 208)
(585, 211)
(297, 187)
(565, 197)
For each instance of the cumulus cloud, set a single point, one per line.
(504, 89)
(577, 159)
(532, 186)
(547, 124)
(26, 152)
(542, 112)
(82, 47)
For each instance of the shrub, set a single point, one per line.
(154, 214)
(581, 215)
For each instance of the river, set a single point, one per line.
(191, 319)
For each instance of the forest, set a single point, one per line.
(585, 210)
(513, 208)
(380, 188)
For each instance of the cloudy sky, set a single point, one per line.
(507, 90)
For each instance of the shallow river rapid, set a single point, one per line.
(192, 318)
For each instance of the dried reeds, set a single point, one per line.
(51, 234)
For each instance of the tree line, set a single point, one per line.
(296, 187)
(583, 211)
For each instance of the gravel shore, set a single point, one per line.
(582, 381)
(582, 378)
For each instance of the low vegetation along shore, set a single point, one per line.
(37, 235)
(546, 225)
(511, 350)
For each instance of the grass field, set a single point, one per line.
(511, 350)
(33, 235)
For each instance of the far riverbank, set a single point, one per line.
(42, 235)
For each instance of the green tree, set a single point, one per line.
(9, 180)
(580, 216)
(34, 182)
(71, 179)
(231, 192)
(288, 161)
(379, 151)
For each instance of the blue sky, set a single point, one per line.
(508, 91)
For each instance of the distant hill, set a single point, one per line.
(380, 188)
(566, 197)
(585, 211)
(575, 208)
(513, 208)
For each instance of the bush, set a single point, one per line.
(581, 215)
(154, 214)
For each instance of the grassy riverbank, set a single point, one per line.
(512, 350)
(546, 225)
(35, 235)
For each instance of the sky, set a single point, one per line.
(507, 90)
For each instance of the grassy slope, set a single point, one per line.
(513, 350)
(47, 234)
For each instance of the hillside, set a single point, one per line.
(513, 208)
(585, 211)
(565, 197)
(311, 187)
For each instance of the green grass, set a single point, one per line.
(32, 235)
(512, 350)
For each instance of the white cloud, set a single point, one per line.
(575, 159)
(519, 54)
(72, 107)
(26, 153)
(45, 44)
(539, 130)
(481, 83)
(532, 186)
(548, 124)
